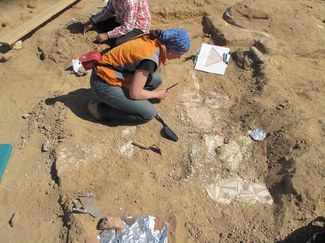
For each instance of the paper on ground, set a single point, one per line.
(210, 59)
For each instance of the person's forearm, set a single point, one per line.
(137, 91)
(144, 95)
(103, 15)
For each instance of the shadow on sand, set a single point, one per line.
(77, 102)
(305, 233)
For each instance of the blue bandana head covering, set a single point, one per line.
(176, 39)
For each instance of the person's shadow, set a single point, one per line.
(77, 102)
(304, 233)
(76, 28)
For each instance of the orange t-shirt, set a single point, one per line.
(128, 56)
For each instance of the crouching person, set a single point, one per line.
(125, 89)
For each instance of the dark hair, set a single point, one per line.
(154, 34)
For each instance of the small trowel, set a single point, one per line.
(153, 147)
(168, 131)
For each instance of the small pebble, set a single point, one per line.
(25, 116)
(45, 146)
(17, 46)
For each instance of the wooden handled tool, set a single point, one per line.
(171, 86)
(153, 147)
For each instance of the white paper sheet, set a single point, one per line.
(212, 59)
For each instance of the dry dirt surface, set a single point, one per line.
(274, 81)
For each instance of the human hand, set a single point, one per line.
(102, 37)
(88, 25)
(161, 94)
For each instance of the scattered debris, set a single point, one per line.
(77, 68)
(110, 223)
(257, 55)
(85, 204)
(17, 45)
(42, 56)
(45, 146)
(227, 16)
(89, 195)
(31, 5)
(25, 116)
(242, 58)
(3, 57)
(11, 220)
(127, 149)
(258, 134)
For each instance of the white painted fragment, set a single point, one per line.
(128, 131)
(216, 101)
(127, 149)
(201, 117)
(231, 189)
(212, 142)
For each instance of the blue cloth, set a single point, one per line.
(176, 39)
(5, 152)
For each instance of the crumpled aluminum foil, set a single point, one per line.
(142, 231)
(258, 134)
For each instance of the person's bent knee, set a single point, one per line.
(147, 116)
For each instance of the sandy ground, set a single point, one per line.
(281, 90)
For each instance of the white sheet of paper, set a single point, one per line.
(210, 59)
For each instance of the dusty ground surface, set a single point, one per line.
(281, 92)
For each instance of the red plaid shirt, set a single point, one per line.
(131, 14)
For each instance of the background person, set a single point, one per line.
(125, 94)
(121, 20)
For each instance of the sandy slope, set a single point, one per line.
(212, 114)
